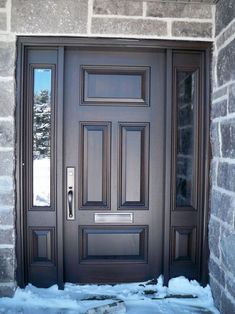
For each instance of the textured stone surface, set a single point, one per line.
(128, 27)
(7, 53)
(215, 141)
(7, 163)
(3, 3)
(120, 7)
(226, 175)
(6, 98)
(6, 217)
(7, 290)
(6, 236)
(226, 63)
(227, 307)
(227, 250)
(191, 29)
(221, 92)
(216, 292)
(225, 35)
(6, 265)
(6, 134)
(224, 14)
(217, 272)
(222, 206)
(214, 232)
(231, 100)
(228, 138)
(6, 185)
(219, 109)
(3, 21)
(231, 286)
(195, 10)
(52, 16)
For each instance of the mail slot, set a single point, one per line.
(113, 218)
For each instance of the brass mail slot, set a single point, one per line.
(114, 218)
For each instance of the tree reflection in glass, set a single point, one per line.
(186, 104)
(41, 137)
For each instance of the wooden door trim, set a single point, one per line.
(24, 42)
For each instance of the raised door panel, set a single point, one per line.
(133, 165)
(95, 161)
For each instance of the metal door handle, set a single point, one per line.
(70, 188)
(70, 203)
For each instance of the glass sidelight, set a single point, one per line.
(186, 99)
(41, 154)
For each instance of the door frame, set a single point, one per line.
(25, 42)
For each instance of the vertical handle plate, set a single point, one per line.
(70, 213)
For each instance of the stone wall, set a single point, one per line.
(222, 219)
(99, 18)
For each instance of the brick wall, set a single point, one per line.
(222, 219)
(106, 18)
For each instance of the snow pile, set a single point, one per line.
(181, 296)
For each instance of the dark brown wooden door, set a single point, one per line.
(114, 143)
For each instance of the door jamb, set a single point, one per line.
(24, 42)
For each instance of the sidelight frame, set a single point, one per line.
(59, 43)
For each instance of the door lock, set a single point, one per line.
(70, 213)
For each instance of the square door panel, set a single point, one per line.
(42, 246)
(113, 243)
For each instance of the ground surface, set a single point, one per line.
(180, 297)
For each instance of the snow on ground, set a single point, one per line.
(180, 297)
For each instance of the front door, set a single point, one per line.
(112, 161)
(113, 165)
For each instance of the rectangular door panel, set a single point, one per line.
(111, 244)
(133, 173)
(95, 161)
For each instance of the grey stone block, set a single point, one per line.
(216, 292)
(224, 14)
(6, 217)
(7, 290)
(227, 252)
(6, 163)
(227, 307)
(7, 270)
(225, 35)
(6, 184)
(3, 3)
(193, 10)
(51, 16)
(6, 236)
(191, 29)
(217, 272)
(231, 99)
(228, 138)
(6, 199)
(6, 134)
(127, 26)
(214, 234)
(6, 98)
(221, 92)
(226, 64)
(121, 7)
(3, 21)
(213, 173)
(219, 109)
(7, 53)
(226, 175)
(230, 284)
(222, 206)
(215, 142)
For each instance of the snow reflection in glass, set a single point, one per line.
(41, 137)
